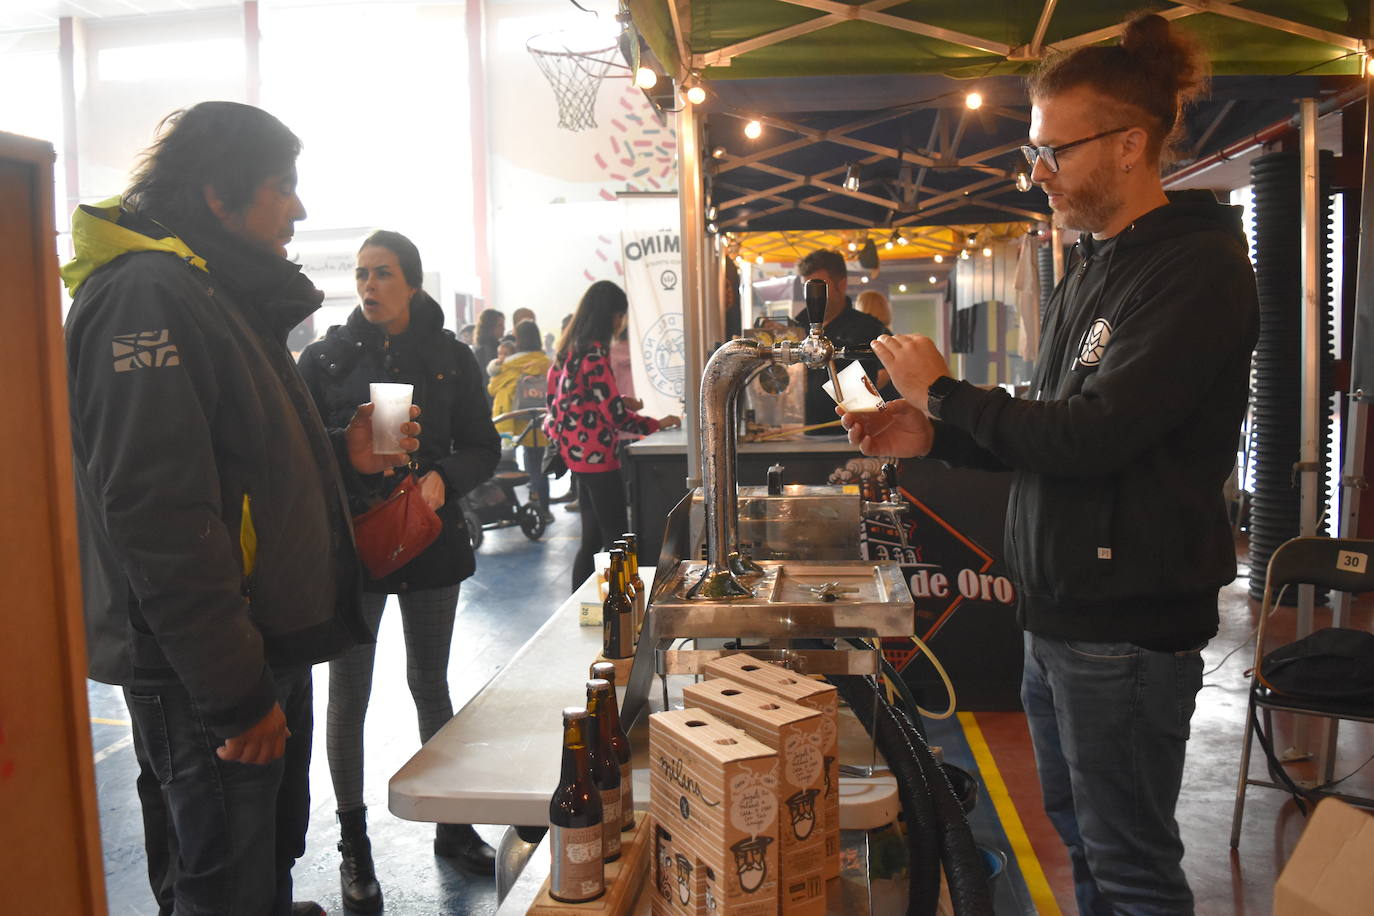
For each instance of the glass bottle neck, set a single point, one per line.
(574, 752)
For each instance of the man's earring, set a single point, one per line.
(1127, 167)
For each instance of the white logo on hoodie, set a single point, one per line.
(1094, 344)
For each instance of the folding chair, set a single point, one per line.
(1341, 564)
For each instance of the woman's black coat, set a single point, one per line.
(457, 437)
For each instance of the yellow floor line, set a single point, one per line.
(95, 721)
(1021, 847)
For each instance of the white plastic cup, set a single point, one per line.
(390, 408)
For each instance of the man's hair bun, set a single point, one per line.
(1174, 57)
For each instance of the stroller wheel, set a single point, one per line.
(474, 526)
(531, 522)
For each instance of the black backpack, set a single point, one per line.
(1334, 663)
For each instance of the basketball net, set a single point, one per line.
(574, 75)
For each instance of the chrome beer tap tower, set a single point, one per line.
(733, 596)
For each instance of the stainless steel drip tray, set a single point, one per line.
(870, 599)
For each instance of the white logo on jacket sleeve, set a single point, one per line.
(1094, 343)
(144, 350)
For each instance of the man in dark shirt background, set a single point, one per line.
(846, 327)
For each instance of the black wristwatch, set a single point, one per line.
(939, 389)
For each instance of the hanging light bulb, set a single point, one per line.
(696, 95)
(759, 259)
(851, 177)
(718, 153)
(888, 244)
(901, 240)
(939, 258)
(973, 101)
(712, 228)
(853, 246)
(933, 281)
(753, 130)
(1023, 180)
(711, 212)
(901, 287)
(646, 78)
(987, 252)
(963, 255)
(863, 279)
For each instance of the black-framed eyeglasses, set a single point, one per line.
(1047, 154)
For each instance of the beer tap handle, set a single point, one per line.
(853, 352)
(890, 481)
(775, 480)
(816, 297)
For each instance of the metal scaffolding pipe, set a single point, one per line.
(690, 196)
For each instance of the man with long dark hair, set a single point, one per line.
(217, 558)
(1117, 533)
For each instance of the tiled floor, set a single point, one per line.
(519, 583)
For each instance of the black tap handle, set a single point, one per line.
(890, 477)
(853, 352)
(816, 297)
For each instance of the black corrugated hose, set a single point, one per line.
(936, 829)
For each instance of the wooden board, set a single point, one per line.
(624, 877)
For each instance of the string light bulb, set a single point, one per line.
(863, 279)
(901, 287)
(933, 281)
(963, 255)
(696, 95)
(759, 259)
(888, 244)
(939, 258)
(718, 153)
(973, 101)
(646, 78)
(1023, 180)
(851, 177)
(753, 130)
(853, 246)
(987, 252)
(901, 240)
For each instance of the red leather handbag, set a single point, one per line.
(395, 531)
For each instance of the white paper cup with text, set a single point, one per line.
(390, 408)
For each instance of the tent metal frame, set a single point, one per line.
(872, 12)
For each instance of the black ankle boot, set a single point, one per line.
(357, 877)
(468, 851)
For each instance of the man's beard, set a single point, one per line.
(1092, 206)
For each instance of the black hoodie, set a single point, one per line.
(1117, 529)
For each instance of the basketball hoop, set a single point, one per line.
(575, 75)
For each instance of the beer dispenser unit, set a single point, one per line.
(734, 596)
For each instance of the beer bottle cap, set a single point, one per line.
(573, 713)
(597, 684)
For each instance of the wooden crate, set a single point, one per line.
(797, 734)
(624, 877)
(812, 694)
(713, 796)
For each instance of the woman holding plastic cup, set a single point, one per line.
(586, 416)
(393, 349)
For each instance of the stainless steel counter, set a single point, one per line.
(674, 442)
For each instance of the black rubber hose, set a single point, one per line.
(969, 890)
(923, 875)
(929, 794)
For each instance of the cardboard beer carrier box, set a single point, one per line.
(812, 694)
(797, 734)
(714, 799)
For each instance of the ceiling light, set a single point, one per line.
(1023, 180)
(646, 78)
(863, 279)
(901, 287)
(971, 238)
(932, 279)
(963, 255)
(973, 100)
(718, 153)
(888, 244)
(851, 177)
(901, 240)
(712, 228)
(987, 252)
(853, 246)
(753, 130)
(759, 259)
(696, 95)
(939, 259)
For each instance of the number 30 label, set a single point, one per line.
(1350, 561)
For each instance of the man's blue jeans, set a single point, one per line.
(221, 836)
(1110, 723)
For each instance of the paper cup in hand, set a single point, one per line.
(859, 394)
(390, 408)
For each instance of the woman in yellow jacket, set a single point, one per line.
(528, 359)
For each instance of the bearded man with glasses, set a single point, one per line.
(1117, 536)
